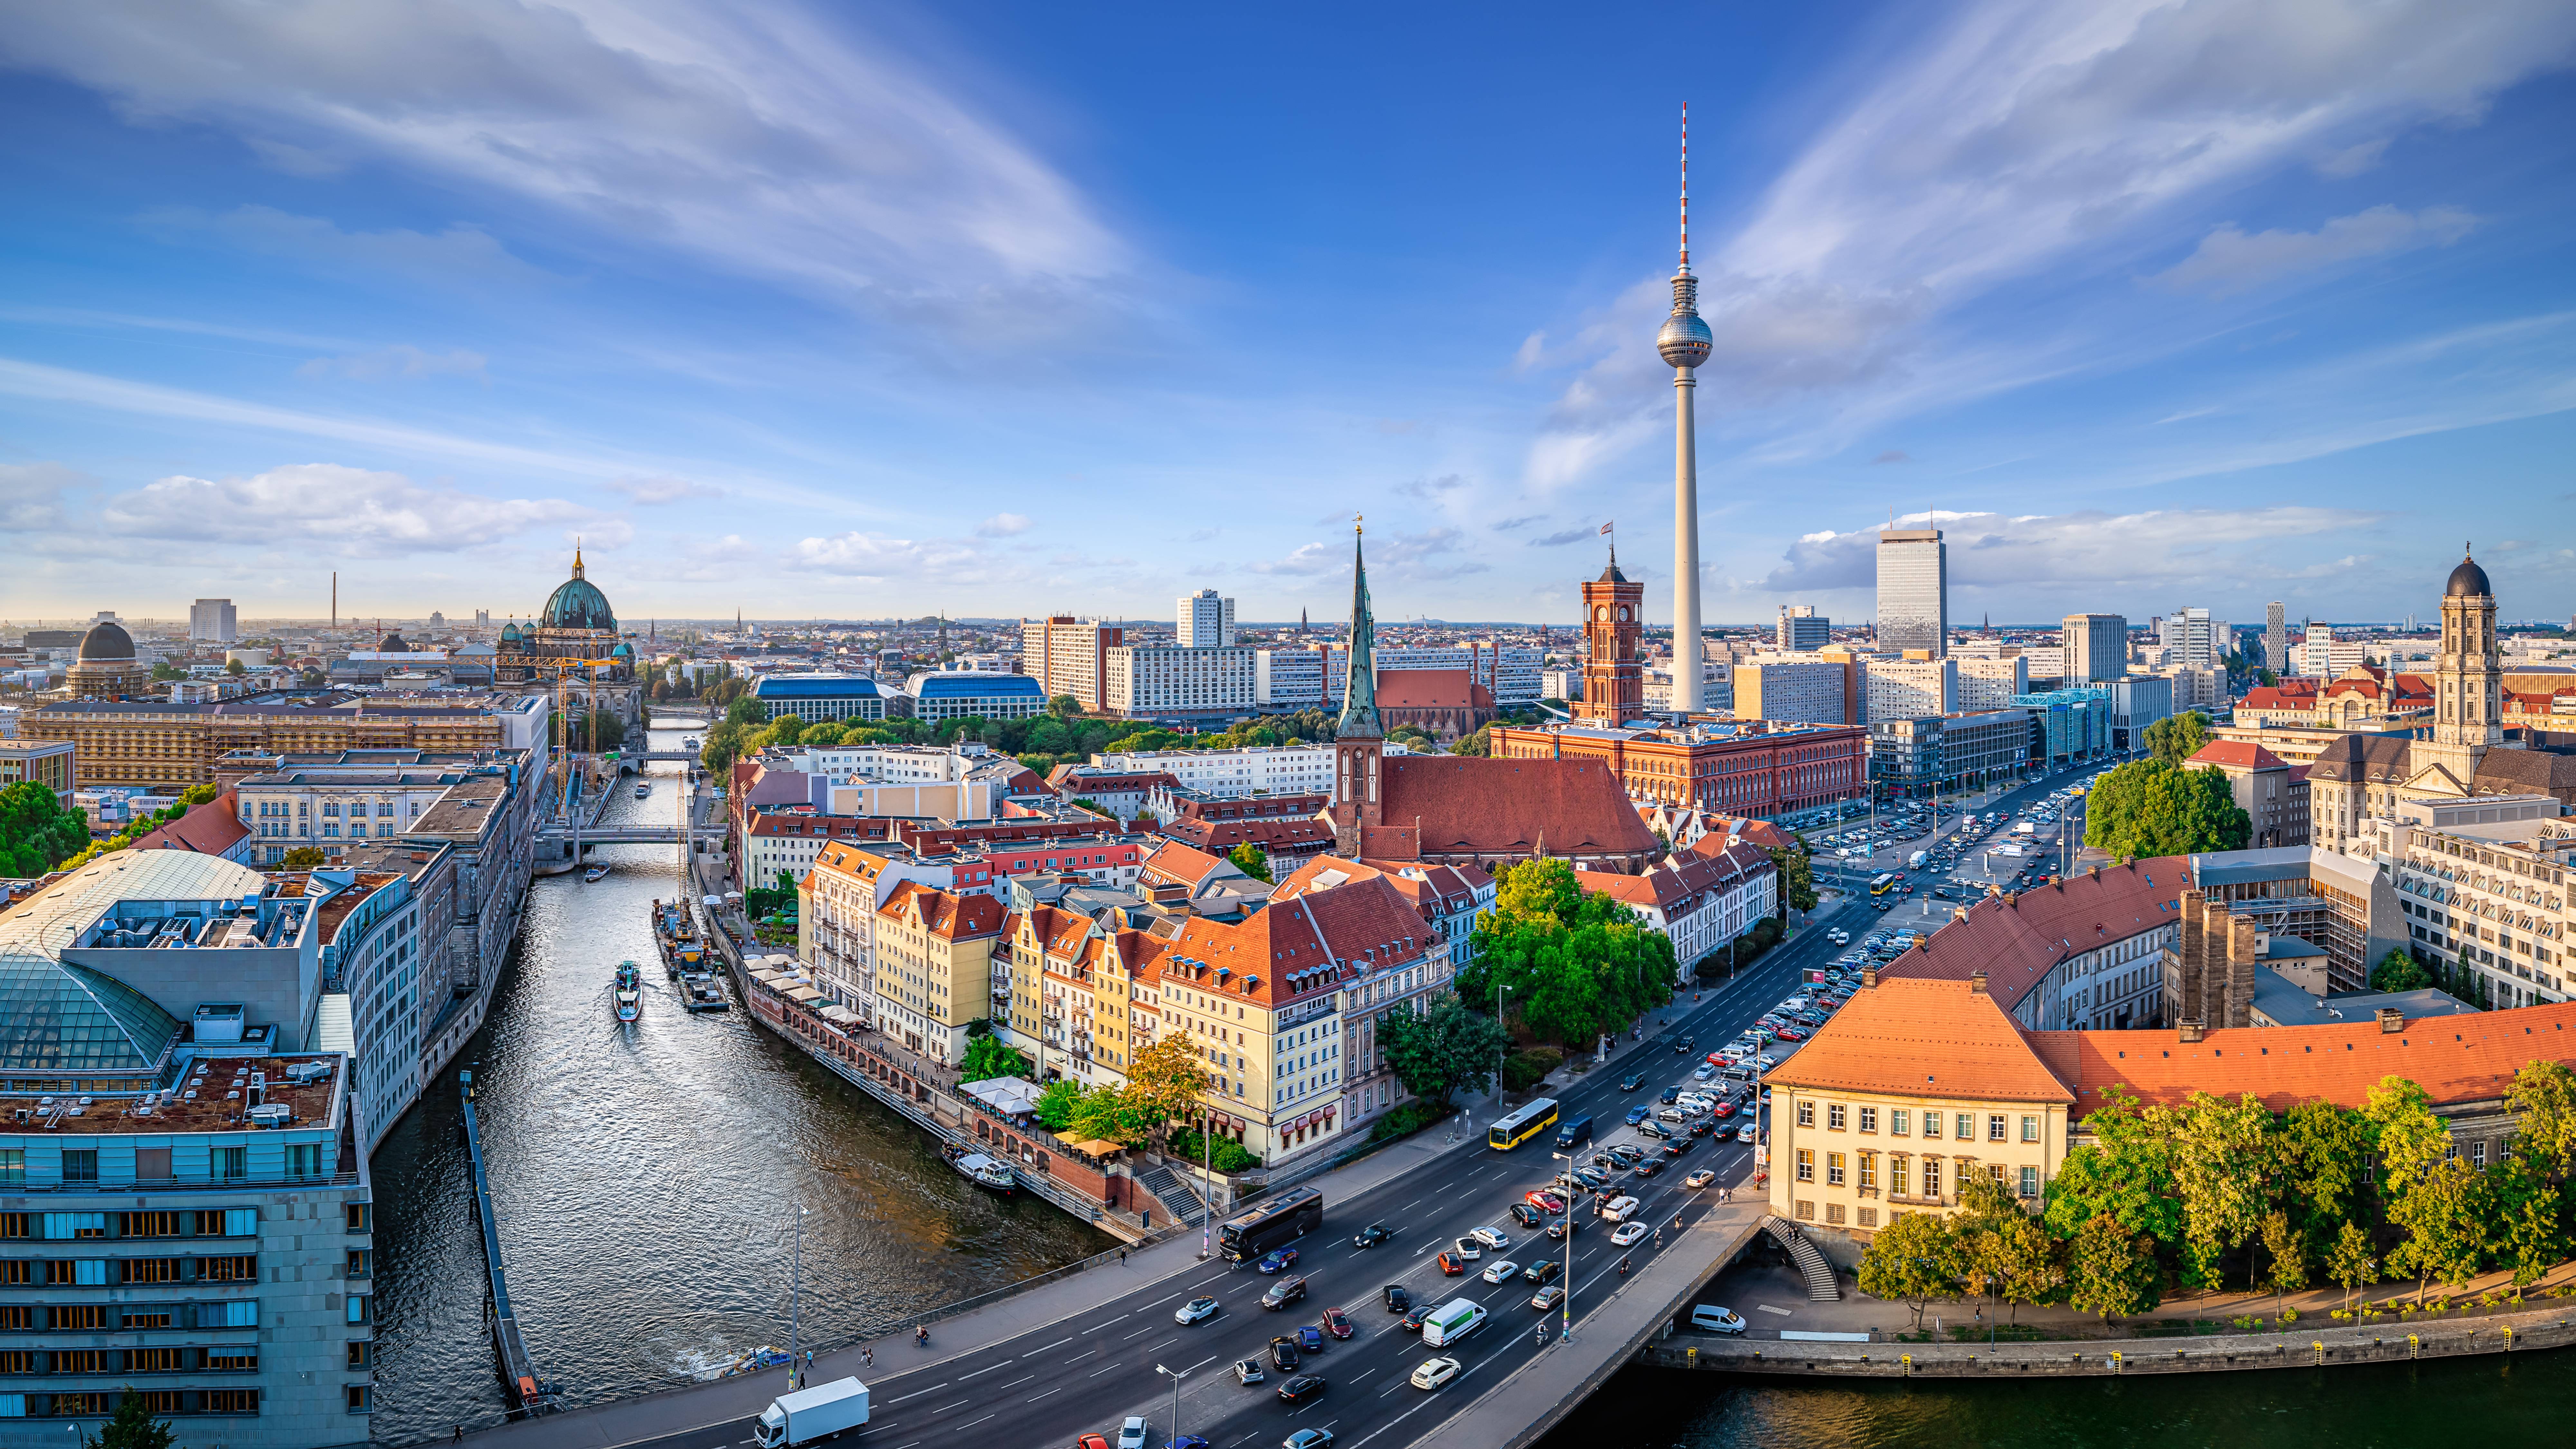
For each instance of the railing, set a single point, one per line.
(173, 1184)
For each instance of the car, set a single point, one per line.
(1700, 1179)
(1283, 1353)
(1669, 1094)
(1279, 1262)
(1197, 1310)
(1616, 1210)
(1398, 1298)
(1283, 1293)
(1131, 1435)
(1412, 1322)
(1704, 1071)
(1650, 1167)
(1544, 1201)
(1767, 1062)
(1435, 1372)
(1793, 1033)
(1590, 1178)
(1636, 1114)
(1310, 1338)
(1248, 1371)
(1627, 1154)
(1091, 1441)
(1451, 1264)
(1681, 1145)
(1632, 1081)
(1527, 1216)
(1372, 1235)
(1189, 1441)
(1564, 1227)
(1297, 1391)
(1500, 1269)
(1543, 1271)
(1337, 1323)
(1547, 1298)
(1703, 1127)
(1656, 1130)
(1710, 1318)
(1629, 1233)
(1490, 1237)
(1746, 1133)
(1606, 1161)
(1470, 1248)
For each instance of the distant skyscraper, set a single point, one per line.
(1206, 621)
(210, 621)
(2196, 641)
(1684, 343)
(1801, 627)
(2097, 648)
(1914, 590)
(2276, 638)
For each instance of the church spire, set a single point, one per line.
(1359, 689)
(576, 558)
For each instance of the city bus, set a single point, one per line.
(1253, 1233)
(1522, 1125)
(1885, 883)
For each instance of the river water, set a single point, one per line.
(647, 1179)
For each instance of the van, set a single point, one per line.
(1451, 1321)
(1574, 1133)
(1617, 1209)
(1916, 860)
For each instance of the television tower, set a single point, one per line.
(1684, 343)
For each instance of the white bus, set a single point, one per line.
(1451, 1321)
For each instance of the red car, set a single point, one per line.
(1336, 1324)
(1544, 1201)
(1722, 1109)
(1717, 1059)
(1450, 1266)
(1091, 1441)
(1790, 1033)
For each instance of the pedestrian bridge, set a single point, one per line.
(559, 834)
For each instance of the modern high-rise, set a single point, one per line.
(1793, 691)
(2097, 648)
(210, 621)
(1684, 343)
(1912, 688)
(1802, 628)
(1913, 590)
(2276, 639)
(1066, 655)
(1991, 683)
(1206, 621)
(2192, 639)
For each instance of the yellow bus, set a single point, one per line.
(1883, 884)
(1521, 1126)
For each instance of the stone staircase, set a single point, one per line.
(1821, 1286)
(1180, 1203)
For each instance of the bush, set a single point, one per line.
(1405, 1120)
(1525, 1068)
(1231, 1156)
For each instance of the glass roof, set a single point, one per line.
(72, 1019)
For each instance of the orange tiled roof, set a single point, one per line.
(1938, 1038)
(1470, 805)
(2016, 943)
(2456, 1059)
(2235, 755)
(1294, 948)
(208, 829)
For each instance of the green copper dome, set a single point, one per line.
(577, 604)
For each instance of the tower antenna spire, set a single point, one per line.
(1685, 186)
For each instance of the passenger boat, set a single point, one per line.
(983, 1171)
(643, 789)
(594, 875)
(630, 991)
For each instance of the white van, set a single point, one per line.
(1617, 1209)
(1452, 1321)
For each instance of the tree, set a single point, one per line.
(1065, 706)
(2289, 1254)
(1913, 1260)
(2149, 808)
(2110, 1270)
(1576, 963)
(313, 679)
(2543, 1099)
(1166, 1079)
(2323, 1156)
(2125, 1173)
(2531, 1218)
(37, 831)
(130, 1426)
(746, 710)
(2222, 1173)
(302, 857)
(1480, 743)
(166, 672)
(1443, 1050)
(2177, 737)
(2398, 971)
(1056, 1101)
(235, 668)
(1248, 858)
(2408, 1137)
(2350, 1264)
(988, 1057)
(2444, 1214)
(1797, 880)
(2007, 1257)
(1111, 1115)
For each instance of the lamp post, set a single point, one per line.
(1176, 1395)
(1566, 1333)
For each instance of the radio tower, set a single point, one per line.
(1684, 343)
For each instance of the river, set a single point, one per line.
(647, 1179)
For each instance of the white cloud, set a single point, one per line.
(1003, 525)
(769, 139)
(1306, 559)
(401, 360)
(654, 489)
(31, 494)
(460, 254)
(2228, 261)
(882, 558)
(2095, 550)
(349, 510)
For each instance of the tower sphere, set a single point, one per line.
(1685, 340)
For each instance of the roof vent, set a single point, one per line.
(2191, 1028)
(2391, 1020)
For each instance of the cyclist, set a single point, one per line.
(921, 1335)
(1623, 1267)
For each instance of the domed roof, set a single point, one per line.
(2468, 578)
(106, 642)
(510, 632)
(623, 650)
(392, 644)
(577, 604)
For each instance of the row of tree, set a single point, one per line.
(37, 831)
(1569, 964)
(2211, 1193)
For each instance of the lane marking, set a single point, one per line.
(1104, 1368)
(917, 1393)
(988, 1368)
(1035, 1397)
(944, 1408)
(1139, 1333)
(971, 1423)
(1059, 1343)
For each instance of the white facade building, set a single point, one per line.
(212, 621)
(1991, 683)
(1911, 688)
(1206, 621)
(1233, 774)
(1146, 681)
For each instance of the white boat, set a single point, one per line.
(642, 790)
(594, 875)
(984, 1171)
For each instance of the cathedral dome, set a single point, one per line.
(392, 644)
(106, 643)
(510, 632)
(2468, 578)
(577, 604)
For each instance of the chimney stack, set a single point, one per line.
(1868, 977)
(2391, 1020)
(1977, 983)
(2190, 1029)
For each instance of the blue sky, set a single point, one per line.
(853, 311)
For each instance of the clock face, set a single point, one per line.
(1623, 613)
(1602, 612)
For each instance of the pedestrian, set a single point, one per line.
(868, 1356)
(459, 1437)
(1122, 1257)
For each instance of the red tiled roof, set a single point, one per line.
(949, 917)
(1938, 1038)
(2235, 755)
(2455, 1059)
(211, 828)
(1216, 837)
(1468, 805)
(1299, 946)
(1726, 830)
(1673, 885)
(1426, 689)
(2016, 943)
(1175, 863)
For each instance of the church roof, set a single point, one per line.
(105, 642)
(577, 603)
(1468, 805)
(1359, 693)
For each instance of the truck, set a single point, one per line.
(2025, 827)
(1915, 861)
(807, 1416)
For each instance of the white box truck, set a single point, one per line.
(809, 1415)
(1915, 861)
(1451, 1321)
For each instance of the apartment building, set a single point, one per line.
(2484, 884)
(1700, 900)
(1206, 621)
(2272, 792)
(1446, 898)
(1794, 691)
(1150, 682)
(2095, 648)
(1231, 774)
(1802, 628)
(1990, 683)
(1069, 656)
(934, 967)
(54, 764)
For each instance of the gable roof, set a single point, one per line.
(1470, 805)
(1300, 946)
(2235, 755)
(1426, 689)
(2456, 1059)
(1936, 1037)
(949, 917)
(2016, 940)
(1173, 863)
(211, 828)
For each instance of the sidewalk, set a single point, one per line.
(700, 1405)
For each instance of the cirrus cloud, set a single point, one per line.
(356, 510)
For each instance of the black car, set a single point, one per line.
(1397, 1299)
(1284, 1292)
(1412, 1322)
(1701, 1128)
(1632, 1081)
(1301, 1388)
(1625, 1155)
(1542, 1271)
(1283, 1354)
(1680, 1145)
(1647, 1168)
(1372, 1235)
(1652, 1128)
(1607, 1161)
(1527, 1216)
(1563, 1226)
(1670, 1096)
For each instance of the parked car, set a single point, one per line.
(1710, 1318)
(1636, 1114)
(1131, 1434)
(1491, 1238)
(1669, 1093)
(1656, 1130)
(1337, 1323)
(1544, 1201)
(1527, 1216)
(1469, 1249)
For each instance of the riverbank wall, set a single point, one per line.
(2536, 1331)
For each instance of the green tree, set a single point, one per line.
(166, 672)
(1575, 963)
(2125, 1173)
(130, 1426)
(2110, 1270)
(1442, 1051)
(1914, 1260)
(2408, 1137)
(1480, 743)
(1056, 1102)
(2444, 1214)
(37, 831)
(1797, 880)
(824, 735)
(2289, 1252)
(2349, 1264)
(2543, 1100)
(1065, 706)
(2222, 1172)
(1112, 1116)
(988, 1057)
(235, 668)
(1165, 1081)
(745, 710)
(2323, 1157)
(2530, 1225)
(1248, 858)
(302, 857)
(2007, 1257)
(313, 679)
(2150, 808)
(2398, 971)
(2177, 738)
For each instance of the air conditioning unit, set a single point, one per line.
(275, 1114)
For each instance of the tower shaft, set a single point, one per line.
(1687, 669)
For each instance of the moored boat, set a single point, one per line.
(985, 1172)
(630, 991)
(594, 875)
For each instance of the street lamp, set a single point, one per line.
(1567, 1332)
(1176, 1395)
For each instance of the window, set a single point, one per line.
(229, 1401)
(2030, 1182)
(149, 1270)
(1897, 1170)
(1806, 1210)
(1835, 1116)
(1833, 1169)
(1869, 1119)
(80, 1164)
(232, 1164)
(227, 1222)
(231, 1361)
(83, 1272)
(148, 1225)
(304, 1159)
(17, 1361)
(1932, 1177)
(362, 1308)
(80, 1360)
(75, 1225)
(1931, 1123)
(1869, 1172)
(239, 1313)
(134, 1321)
(13, 1172)
(1869, 1217)
(1900, 1122)
(240, 1268)
(1964, 1126)
(362, 1354)
(1806, 1114)
(1833, 1212)
(362, 1399)
(362, 1262)
(2030, 1129)
(1806, 1164)
(1996, 1124)
(153, 1360)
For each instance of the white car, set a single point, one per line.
(1704, 1072)
(1709, 1318)
(1197, 1310)
(1766, 1061)
(1435, 1372)
(1131, 1435)
(1469, 1250)
(1501, 1269)
(1491, 1238)
(1745, 1133)
(1629, 1233)
(1616, 1210)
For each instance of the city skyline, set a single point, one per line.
(263, 328)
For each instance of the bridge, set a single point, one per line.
(686, 756)
(556, 833)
